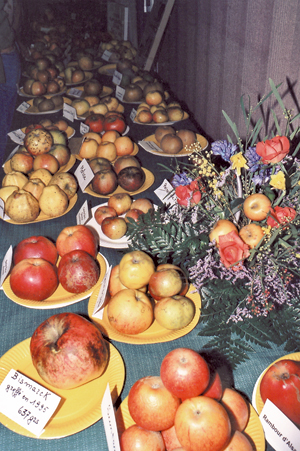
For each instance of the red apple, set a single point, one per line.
(237, 408)
(33, 279)
(125, 161)
(78, 271)
(142, 204)
(77, 237)
(281, 385)
(184, 373)
(105, 182)
(134, 214)
(170, 439)
(202, 424)
(239, 442)
(114, 227)
(121, 202)
(214, 389)
(46, 161)
(151, 405)
(136, 438)
(68, 351)
(103, 212)
(36, 247)
(131, 178)
(165, 283)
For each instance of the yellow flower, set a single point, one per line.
(238, 162)
(278, 180)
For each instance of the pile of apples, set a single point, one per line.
(92, 104)
(141, 293)
(113, 217)
(185, 408)
(171, 141)
(43, 79)
(119, 49)
(35, 183)
(37, 273)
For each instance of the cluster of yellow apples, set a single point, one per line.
(92, 104)
(155, 110)
(256, 208)
(119, 49)
(109, 145)
(141, 292)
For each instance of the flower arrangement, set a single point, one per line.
(235, 230)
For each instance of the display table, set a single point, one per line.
(18, 322)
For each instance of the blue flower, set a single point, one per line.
(252, 158)
(263, 177)
(223, 148)
(181, 180)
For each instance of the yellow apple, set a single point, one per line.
(251, 234)
(115, 284)
(222, 227)
(53, 201)
(257, 206)
(175, 312)
(136, 268)
(120, 202)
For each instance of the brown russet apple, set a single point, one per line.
(78, 75)
(120, 202)
(103, 212)
(99, 163)
(130, 311)
(144, 116)
(105, 182)
(171, 144)
(136, 268)
(175, 113)
(114, 227)
(131, 178)
(188, 137)
(237, 408)
(125, 161)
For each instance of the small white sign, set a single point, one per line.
(133, 114)
(84, 174)
(23, 107)
(109, 421)
(69, 112)
(84, 128)
(150, 145)
(83, 214)
(280, 432)
(106, 55)
(17, 136)
(26, 402)
(117, 77)
(102, 295)
(120, 93)
(6, 265)
(2, 204)
(166, 193)
(75, 92)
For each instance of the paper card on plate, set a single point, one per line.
(133, 114)
(109, 420)
(279, 431)
(83, 215)
(117, 77)
(17, 136)
(26, 402)
(84, 174)
(84, 128)
(150, 145)
(6, 265)
(69, 112)
(106, 55)
(23, 107)
(98, 310)
(166, 193)
(75, 92)
(120, 93)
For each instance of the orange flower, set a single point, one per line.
(273, 150)
(188, 194)
(232, 250)
(281, 215)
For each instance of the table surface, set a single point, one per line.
(18, 322)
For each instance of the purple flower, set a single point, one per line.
(224, 149)
(262, 177)
(181, 180)
(252, 158)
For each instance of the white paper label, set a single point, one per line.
(83, 214)
(23, 107)
(69, 112)
(6, 264)
(279, 431)
(133, 114)
(117, 77)
(102, 295)
(109, 421)
(17, 136)
(84, 174)
(150, 145)
(84, 128)
(2, 208)
(26, 402)
(166, 193)
(106, 55)
(75, 92)
(120, 93)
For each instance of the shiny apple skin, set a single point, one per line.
(131, 178)
(67, 351)
(46, 161)
(125, 161)
(77, 237)
(114, 227)
(165, 283)
(215, 388)
(105, 182)
(103, 212)
(237, 408)
(36, 247)
(33, 279)
(185, 373)
(136, 438)
(121, 202)
(61, 153)
(78, 271)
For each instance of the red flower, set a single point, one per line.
(188, 194)
(273, 150)
(281, 215)
(232, 250)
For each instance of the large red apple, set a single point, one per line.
(151, 405)
(184, 373)
(214, 389)
(281, 385)
(77, 237)
(237, 408)
(36, 247)
(78, 271)
(170, 439)
(67, 351)
(202, 424)
(136, 438)
(33, 279)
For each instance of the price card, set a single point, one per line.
(75, 92)
(84, 174)
(102, 295)
(26, 402)
(279, 431)
(120, 93)
(166, 193)
(69, 112)
(17, 136)
(2, 208)
(106, 55)
(6, 265)
(109, 421)
(23, 107)
(150, 145)
(133, 114)
(84, 128)
(83, 215)
(117, 77)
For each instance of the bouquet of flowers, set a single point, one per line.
(235, 231)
